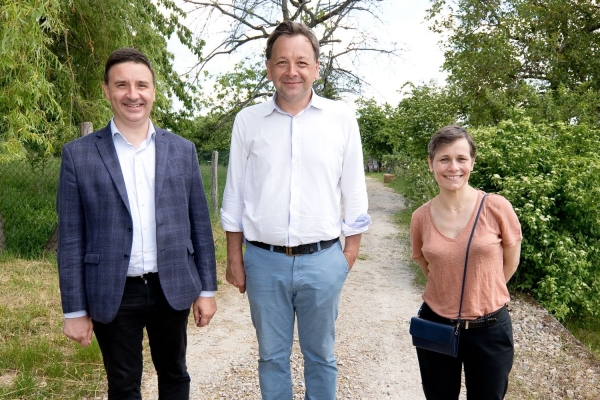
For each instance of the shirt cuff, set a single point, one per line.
(76, 314)
(230, 224)
(360, 225)
(207, 293)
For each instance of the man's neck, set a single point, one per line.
(133, 133)
(292, 108)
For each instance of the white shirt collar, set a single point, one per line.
(315, 101)
(151, 130)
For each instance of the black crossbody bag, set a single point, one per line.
(435, 336)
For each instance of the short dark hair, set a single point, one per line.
(127, 54)
(447, 135)
(291, 28)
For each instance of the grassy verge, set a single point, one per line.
(27, 204)
(36, 360)
(586, 329)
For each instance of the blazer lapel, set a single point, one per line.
(162, 151)
(107, 151)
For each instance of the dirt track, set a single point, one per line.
(375, 356)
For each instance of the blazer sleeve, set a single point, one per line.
(201, 229)
(71, 237)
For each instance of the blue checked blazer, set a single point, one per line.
(96, 228)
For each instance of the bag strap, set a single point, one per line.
(466, 261)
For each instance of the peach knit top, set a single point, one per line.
(485, 288)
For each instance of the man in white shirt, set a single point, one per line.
(135, 244)
(292, 160)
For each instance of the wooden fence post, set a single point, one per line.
(85, 128)
(214, 192)
(2, 238)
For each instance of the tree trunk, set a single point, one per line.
(215, 182)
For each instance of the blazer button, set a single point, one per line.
(129, 229)
(126, 255)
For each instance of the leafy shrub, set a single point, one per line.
(547, 172)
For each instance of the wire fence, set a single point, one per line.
(28, 220)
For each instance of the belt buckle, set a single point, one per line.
(289, 251)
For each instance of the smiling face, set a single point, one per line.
(293, 69)
(452, 165)
(130, 90)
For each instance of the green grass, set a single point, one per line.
(36, 360)
(27, 204)
(218, 233)
(585, 329)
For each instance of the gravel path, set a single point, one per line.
(375, 356)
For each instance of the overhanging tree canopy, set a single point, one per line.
(52, 55)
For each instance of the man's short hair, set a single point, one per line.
(127, 54)
(291, 28)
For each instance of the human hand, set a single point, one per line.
(351, 247)
(204, 309)
(236, 274)
(79, 329)
(350, 257)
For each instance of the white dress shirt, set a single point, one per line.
(287, 174)
(139, 167)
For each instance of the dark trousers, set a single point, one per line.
(486, 353)
(144, 305)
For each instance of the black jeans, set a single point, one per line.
(145, 305)
(486, 353)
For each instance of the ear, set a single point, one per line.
(430, 164)
(105, 89)
(268, 66)
(318, 66)
(472, 164)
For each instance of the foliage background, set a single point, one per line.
(522, 76)
(523, 79)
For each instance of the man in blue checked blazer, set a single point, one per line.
(135, 241)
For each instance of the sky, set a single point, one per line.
(403, 22)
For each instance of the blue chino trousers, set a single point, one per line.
(282, 288)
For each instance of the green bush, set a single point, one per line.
(549, 174)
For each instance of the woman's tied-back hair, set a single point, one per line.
(291, 28)
(447, 135)
(127, 54)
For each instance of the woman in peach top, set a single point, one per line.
(440, 230)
